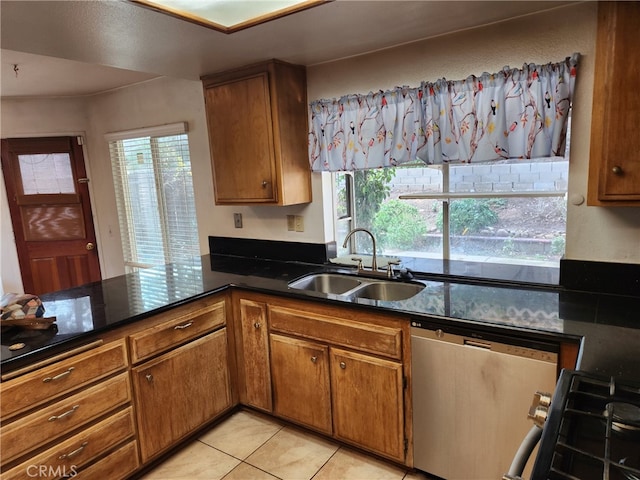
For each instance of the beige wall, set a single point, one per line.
(593, 233)
(602, 234)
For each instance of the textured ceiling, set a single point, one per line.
(84, 47)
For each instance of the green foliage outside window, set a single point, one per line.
(470, 215)
(398, 225)
(371, 189)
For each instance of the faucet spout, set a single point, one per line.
(374, 260)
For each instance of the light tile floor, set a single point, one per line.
(250, 446)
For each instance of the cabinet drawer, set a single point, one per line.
(367, 338)
(72, 454)
(177, 331)
(54, 421)
(116, 466)
(45, 384)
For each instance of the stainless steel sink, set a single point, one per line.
(326, 283)
(358, 287)
(388, 290)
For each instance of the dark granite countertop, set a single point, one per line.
(607, 325)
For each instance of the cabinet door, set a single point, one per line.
(180, 391)
(300, 376)
(241, 138)
(368, 405)
(254, 360)
(614, 171)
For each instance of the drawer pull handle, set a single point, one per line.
(74, 452)
(343, 365)
(314, 359)
(64, 415)
(182, 327)
(59, 376)
(256, 325)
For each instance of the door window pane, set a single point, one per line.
(44, 173)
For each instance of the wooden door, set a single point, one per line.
(368, 402)
(254, 358)
(181, 391)
(50, 212)
(301, 387)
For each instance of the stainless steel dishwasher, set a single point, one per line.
(470, 390)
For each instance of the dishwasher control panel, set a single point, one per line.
(495, 342)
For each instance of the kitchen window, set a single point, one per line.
(154, 195)
(510, 212)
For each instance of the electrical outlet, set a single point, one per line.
(291, 223)
(299, 223)
(237, 220)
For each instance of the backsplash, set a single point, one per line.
(601, 277)
(272, 249)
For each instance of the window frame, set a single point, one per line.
(446, 196)
(127, 234)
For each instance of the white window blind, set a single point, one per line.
(154, 195)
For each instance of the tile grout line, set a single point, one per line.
(325, 463)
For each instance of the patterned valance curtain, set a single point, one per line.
(515, 113)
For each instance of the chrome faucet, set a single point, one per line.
(374, 260)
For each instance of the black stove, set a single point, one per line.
(592, 431)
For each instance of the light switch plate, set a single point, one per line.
(291, 223)
(237, 220)
(299, 223)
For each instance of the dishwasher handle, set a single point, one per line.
(477, 344)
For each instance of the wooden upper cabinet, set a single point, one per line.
(614, 171)
(257, 121)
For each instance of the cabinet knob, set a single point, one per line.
(149, 377)
(256, 325)
(90, 246)
(314, 359)
(617, 170)
(264, 184)
(343, 365)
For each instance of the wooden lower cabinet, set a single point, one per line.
(117, 466)
(254, 376)
(180, 391)
(67, 413)
(70, 456)
(342, 372)
(301, 386)
(354, 397)
(368, 398)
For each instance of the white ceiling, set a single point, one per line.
(84, 47)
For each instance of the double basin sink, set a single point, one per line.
(354, 287)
